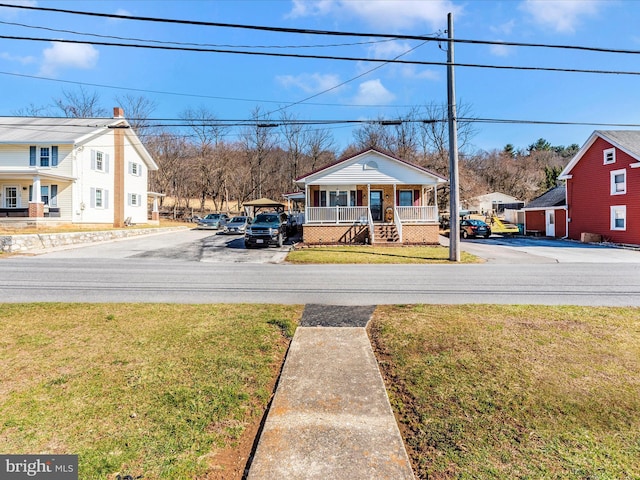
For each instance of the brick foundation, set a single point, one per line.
(421, 234)
(36, 210)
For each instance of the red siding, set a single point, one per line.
(536, 220)
(589, 196)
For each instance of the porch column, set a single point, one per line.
(435, 201)
(306, 202)
(395, 196)
(155, 214)
(36, 207)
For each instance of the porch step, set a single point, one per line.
(385, 233)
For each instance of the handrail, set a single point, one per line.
(398, 222)
(371, 235)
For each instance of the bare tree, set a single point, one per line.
(258, 140)
(80, 104)
(319, 147)
(137, 110)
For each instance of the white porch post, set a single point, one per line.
(394, 196)
(35, 190)
(306, 203)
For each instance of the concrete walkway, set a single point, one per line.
(330, 416)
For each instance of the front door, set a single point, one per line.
(550, 217)
(11, 197)
(375, 205)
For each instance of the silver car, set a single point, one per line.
(213, 221)
(236, 226)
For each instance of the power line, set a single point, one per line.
(328, 57)
(322, 32)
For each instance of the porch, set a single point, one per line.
(355, 225)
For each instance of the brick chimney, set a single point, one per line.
(118, 112)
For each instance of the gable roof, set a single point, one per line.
(626, 140)
(353, 158)
(555, 197)
(61, 131)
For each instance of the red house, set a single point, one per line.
(603, 187)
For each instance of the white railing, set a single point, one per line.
(417, 214)
(398, 222)
(349, 215)
(371, 229)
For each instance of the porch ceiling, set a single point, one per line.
(28, 174)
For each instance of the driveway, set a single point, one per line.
(206, 246)
(497, 249)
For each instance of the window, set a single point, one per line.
(135, 200)
(99, 198)
(323, 198)
(44, 194)
(406, 198)
(618, 182)
(99, 161)
(609, 156)
(338, 199)
(134, 169)
(619, 217)
(44, 156)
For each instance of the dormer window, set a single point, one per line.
(609, 156)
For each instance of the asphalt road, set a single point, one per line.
(201, 267)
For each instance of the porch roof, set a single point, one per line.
(371, 167)
(27, 173)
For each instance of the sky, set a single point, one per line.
(233, 86)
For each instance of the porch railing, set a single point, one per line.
(417, 214)
(398, 222)
(337, 215)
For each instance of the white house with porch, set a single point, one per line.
(371, 197)
(73, 170)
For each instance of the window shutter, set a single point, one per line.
(130, 168)
(30, 193)
(106, 163)
(129, 196)
(105, 194)
(93, 159)
(416, 198)
(32, 156)
(53, 201)
(139, 200)
(54, 156)
(93, 198)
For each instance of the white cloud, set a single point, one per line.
(374, 93)
(411, 72)
(501, 50)
(310, 82)
(389, 49)
(16, 58)
(563, 16)
(392, 14)
(12, 13)
(504, 28)
(68, 55)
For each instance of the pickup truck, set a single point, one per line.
(266, 229)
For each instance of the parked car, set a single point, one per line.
(236, 226)
(266, 229)
(474, 228)
(213, 221)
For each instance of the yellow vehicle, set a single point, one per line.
(498, 226)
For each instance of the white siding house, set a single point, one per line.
(73, 170)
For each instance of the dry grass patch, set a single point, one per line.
(514, 391)
(71, 228)
(375, 255)
(137, 389)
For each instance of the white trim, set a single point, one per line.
(614, 209)
(605, 154)
(613, 184)
(634, 165)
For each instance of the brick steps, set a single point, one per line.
(385, 233)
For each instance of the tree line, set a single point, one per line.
(207, 161)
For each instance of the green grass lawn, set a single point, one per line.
(137, 389)
(369, 254)
(514, 391)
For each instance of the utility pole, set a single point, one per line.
(454, 194)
